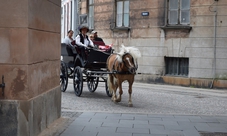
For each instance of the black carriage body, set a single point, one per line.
(96, 59)
(80, 71)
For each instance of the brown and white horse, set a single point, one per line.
(123, 66)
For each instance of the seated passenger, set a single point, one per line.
(83, 41)
(100, 43)
(91, 37)
(96, 38)
(68, 39)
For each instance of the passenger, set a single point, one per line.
(83, 41)
(68, 39)
(70, 43)
(91, 37)
(96, 38)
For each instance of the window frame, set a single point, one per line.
(179, 10)
(91, 14)
(124, 14)
(177, 66)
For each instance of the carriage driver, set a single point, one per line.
(83, 41)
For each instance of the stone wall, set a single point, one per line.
(30, 64)
(147, 33)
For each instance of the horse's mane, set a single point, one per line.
(131, 50)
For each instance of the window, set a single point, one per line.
(176, 66)
(178, 12)
(91, 14)
(122, 13)
(83, 19)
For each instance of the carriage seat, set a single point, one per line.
(67, 53)
(67, 50)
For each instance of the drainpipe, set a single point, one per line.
(215, 42)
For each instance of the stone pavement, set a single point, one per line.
(133, 124)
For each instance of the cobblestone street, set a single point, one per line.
(149, 98)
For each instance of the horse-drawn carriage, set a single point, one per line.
(102, 63)
(92, 71)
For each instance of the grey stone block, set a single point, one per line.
(149, 135)
(70, 133)
(133, 121)
(30, 117)
(149, 126)
(8, 115)
(204, 120)
(113, 134)
(191, 133)
(99, 129)
(109, 124)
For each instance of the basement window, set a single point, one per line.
(177, 66)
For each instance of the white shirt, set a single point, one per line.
(86, 42)
(67, 40)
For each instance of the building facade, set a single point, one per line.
(182, 42)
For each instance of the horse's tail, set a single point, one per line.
(110, 87)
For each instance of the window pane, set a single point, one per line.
(185, 17)
(181, 67)
(91, 20)
(91, 1)
(91, 17)
(185, 4)
(175, 66)
(173, 17)
(119, 20)
(173, 4)
(119, 7)
(126, 7)
(126, 20)
(91, 11)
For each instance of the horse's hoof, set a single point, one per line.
(114, 100)
(130, 105)
(118, 100)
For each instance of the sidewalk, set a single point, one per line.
(124, 124)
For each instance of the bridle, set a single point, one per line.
(131, 70)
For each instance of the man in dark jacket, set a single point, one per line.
(96, 38)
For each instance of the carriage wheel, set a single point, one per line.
(63, 77)
(78, 81)
(92, 83)
(107, 89)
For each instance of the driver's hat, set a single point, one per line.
(82, 27)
